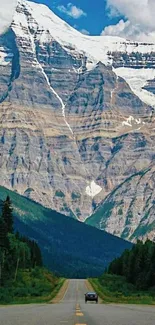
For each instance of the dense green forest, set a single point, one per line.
(129, 278)
(85, 250)
(22, 275)
(16, 252)
(137, 265)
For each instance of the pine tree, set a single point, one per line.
(7, 216)
(3, 233)
(3, 243)
(138, 265)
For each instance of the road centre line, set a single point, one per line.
(79, 314)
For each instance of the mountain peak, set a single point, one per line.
(38, 22)
(42, 18)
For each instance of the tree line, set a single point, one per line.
(16, 252)
(137, 265)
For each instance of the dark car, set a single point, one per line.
(91, 296)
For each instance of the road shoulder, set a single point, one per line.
(60, 295)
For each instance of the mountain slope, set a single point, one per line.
(76, 115)
(69, 247)
(141, 190)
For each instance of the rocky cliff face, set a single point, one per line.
(77, 121)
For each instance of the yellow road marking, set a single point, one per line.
(79, 314)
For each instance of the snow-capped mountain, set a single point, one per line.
(45, 23)
(77, 119)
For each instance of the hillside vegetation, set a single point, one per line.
(85, 250)
(22, 276)
(131, 277)
(137, 265)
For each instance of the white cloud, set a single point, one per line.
(7, 8)
(139, 19)
(72, 11)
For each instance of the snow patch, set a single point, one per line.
(137, 79)
(93, 189)
(138, 121)
(131, 120)
(128, 122)
(5, 58)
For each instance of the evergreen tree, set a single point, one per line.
(137, 265)
(16, 252)
(7, 216)
(3, 245)
(3, 233)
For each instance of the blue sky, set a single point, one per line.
(92, 18)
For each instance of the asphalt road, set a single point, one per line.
(72, 310)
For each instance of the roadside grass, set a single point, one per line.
(32, 286)
(115, 289)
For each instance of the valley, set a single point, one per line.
(65, 243)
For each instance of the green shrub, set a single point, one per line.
(6, 295)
